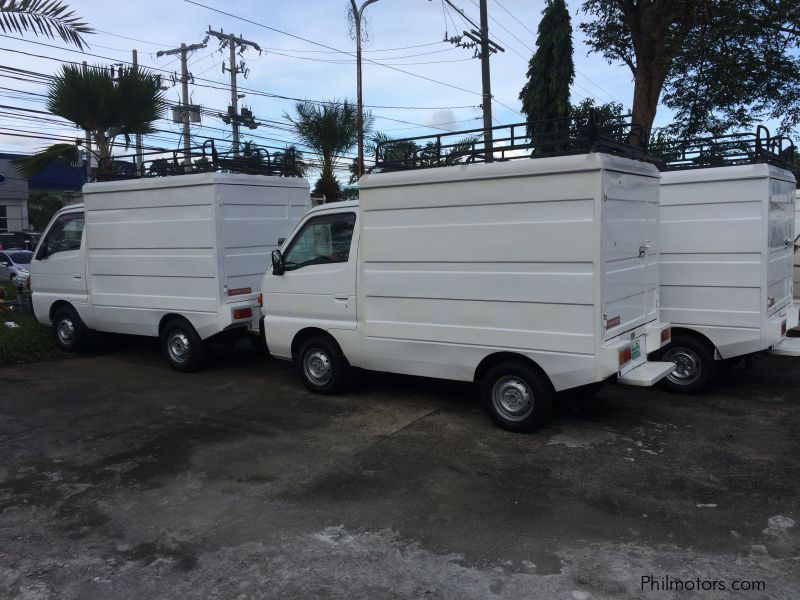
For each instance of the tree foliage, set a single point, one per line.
(49, 18)
(41, 208)
(329, 129)
(720, 64)
(551, 69)
(106, 106)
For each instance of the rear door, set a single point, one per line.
(630, 255)
(780, 246)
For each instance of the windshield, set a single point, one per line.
(20, 258)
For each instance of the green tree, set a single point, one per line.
(550, 70)
(720, 64)
(49, 18)
(106, 107)
(290, 162)
(329, 129)
(41, 207)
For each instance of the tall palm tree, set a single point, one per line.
(329, 129)
(49, 18)
(102, 105)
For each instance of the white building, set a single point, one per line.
(13, 197)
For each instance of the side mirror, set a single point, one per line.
(3, 264)
(277, 263)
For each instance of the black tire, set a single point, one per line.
(182, 347)
(517, 397)
(697, 370)
(322, 367)
(71, 333)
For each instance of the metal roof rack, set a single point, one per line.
(725, 150)
(549, 137)
(203, 159)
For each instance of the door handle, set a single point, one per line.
(341, 297)
(76, 275)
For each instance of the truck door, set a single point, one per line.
(780, 244)
(318, 286)
(58, 270)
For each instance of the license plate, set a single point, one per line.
(636, 352)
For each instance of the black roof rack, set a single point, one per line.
(204, 159)
(725, 150)
(550, 137)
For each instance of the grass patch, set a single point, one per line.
(30, 342)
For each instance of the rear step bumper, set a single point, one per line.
(786, 347)
(647, 374)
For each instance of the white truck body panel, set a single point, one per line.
(726, 267)
(177, 245)
(458, 263)
(797, 241)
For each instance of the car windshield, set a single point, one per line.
(20, 258)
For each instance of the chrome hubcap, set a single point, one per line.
(66, 331)
(317, 367)
(512, 398)
(687, 366)
(178, 346)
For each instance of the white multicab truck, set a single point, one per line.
(178, 257)
(528, 276)
(727, 245)
(796, 244)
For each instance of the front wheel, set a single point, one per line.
(72, 334)
(182, 347)
(516, 397)
(695, 371)
(322, 366)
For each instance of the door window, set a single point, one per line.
(322, 240)
(65, 235)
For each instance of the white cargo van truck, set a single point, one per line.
(178, 257)
(528, 276)
(726, 259)
(797, 245)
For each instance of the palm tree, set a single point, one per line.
(329, 129)
(43, 17)
(102, 105)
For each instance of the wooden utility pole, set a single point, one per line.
(233, 110)
(88, 141)
(184, 52)
(487, 83)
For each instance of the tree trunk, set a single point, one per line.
(646, 91)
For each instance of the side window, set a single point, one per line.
(65, 234)
(4, 258)
(324, 239)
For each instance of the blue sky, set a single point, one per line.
(441, 84)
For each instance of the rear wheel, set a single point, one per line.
(72, 334)
(182, 347)
(696, 370)
(322, 366)
(516, 397)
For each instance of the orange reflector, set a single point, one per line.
(625, 355)
(611, 323)
(783, 328)
(240, 291)
(666, 335)
(242, 313)
(261, 299)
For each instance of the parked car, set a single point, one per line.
(179, 257)
(526, 276)
(15, 263)
(19, 240)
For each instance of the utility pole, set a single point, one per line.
(358, 13)
(233, 115)
(487, 84)
(479, 37)
(88, 141)
(139, 159)
(184, 51)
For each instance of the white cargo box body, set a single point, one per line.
(797, 241)
(194, 245)
(726, 254)
(554, 258)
